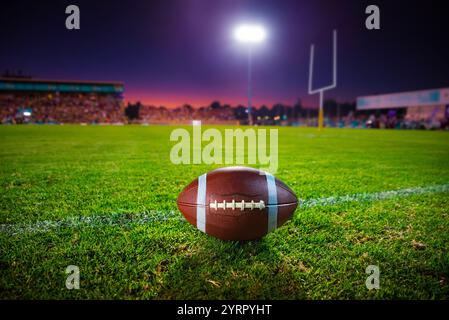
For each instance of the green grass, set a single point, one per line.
(55, 172)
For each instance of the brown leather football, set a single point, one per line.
(237, 203)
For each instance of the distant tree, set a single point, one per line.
(187, 107)
(215, 105)
(298, 110)
(288, 113)
(278, 110)
(264, 111)
(346, 108)
(240, 113)
(132, 110)
(330, 107)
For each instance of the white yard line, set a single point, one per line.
(112, 219)
(127, 219)
(374, 196)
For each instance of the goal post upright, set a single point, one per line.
(322, 89)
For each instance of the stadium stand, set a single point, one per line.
(421, 109)
(48, 101)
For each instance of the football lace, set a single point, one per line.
(242, 205)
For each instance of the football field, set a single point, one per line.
(103, 198)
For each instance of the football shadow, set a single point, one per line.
(231, 270)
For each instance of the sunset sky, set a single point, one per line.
(182, 51)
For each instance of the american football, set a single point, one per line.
(237, 203)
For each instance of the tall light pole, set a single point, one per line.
(250, 35)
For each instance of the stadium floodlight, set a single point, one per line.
(334, 78)
(250, 34)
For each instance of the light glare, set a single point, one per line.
(250, 33)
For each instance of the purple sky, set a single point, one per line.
(173, 52)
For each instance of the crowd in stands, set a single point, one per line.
(96, 108)
(17, 108)
(393, 119)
